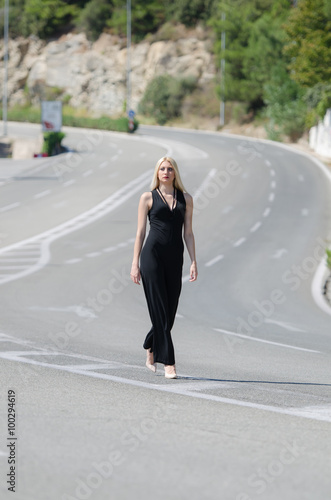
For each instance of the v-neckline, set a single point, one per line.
(174, 201)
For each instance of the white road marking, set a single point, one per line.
(313, 413)
(69, 183)
(239, 242)
(272, 173)
(114, 158)
(205, 183)
(304, 212)
(301, 178)
(81, 311)
(10, 207)
(287, 326)
(279, 253)
(42, 194)
(60, 204)
(271, 197)
(87, 173)
(44, 240)
(214, 260)
(256, 339)
(227, 209)
(255, 227)
(93, 254)
(103, 164)
(268, 163)
(273, 184)
(73, 261)
(266, 212)
(109, 249)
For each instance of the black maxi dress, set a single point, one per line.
(161, 264)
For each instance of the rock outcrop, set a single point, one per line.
(93, 75)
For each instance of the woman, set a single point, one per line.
(168, 208)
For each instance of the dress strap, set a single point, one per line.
(174, 198)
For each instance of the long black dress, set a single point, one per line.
(161, 264)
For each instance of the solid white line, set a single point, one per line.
(205, 183)
(44, 239)
(179, 389)
(284, 325)
(42, 194)
(10, 207)
(3, 260)
(214, 260)
(255, 227)
(266, 212)
(239, 242)
(256, 339)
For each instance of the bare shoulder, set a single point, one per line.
(147, 199)
(188, 199)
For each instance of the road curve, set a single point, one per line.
(248, 415)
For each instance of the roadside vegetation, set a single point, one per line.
(277, 55)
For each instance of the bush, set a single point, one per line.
(164, 96)
(94, 17)
(52, 143)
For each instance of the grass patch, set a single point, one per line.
(72, 118)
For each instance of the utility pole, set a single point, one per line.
(222, 104)
(128, 55)
(5, 78)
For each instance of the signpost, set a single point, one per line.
(51, 116)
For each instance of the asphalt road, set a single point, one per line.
(249, 416)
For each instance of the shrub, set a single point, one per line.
(52, 143)
(164, 96)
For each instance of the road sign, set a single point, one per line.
(51, 116)
(131, 113)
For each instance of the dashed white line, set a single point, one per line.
(266, 212)
(87, 173)
(255, 227)
(273, 184)
(301, 178)
(10, 207)
(109, 249)
(268, 163)
(271, 197)
(279, 253)
(69, 183)
(93, 254)
(42, 194)
(73, 261)
(214, 260)
(304, 212)
(239, 242)
(103, 164)
(272, 172)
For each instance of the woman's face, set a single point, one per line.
(166, 173)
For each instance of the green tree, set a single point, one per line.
(45, 17)
(309, 42)
(94, 17)
(254, 43)
(189, 12)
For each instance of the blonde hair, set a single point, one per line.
(177, 181)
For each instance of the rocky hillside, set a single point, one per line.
(93, 75)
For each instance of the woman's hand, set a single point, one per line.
(193, 271)
(135, 274)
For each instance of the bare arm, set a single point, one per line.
(189, 236)
(145, 204)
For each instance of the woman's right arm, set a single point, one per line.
(145, 204)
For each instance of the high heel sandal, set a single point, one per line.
(150, 366)
(172, 373)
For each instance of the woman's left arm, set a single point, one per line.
(189, 236)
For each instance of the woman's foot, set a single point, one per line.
(170, 371)
(150, 361)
